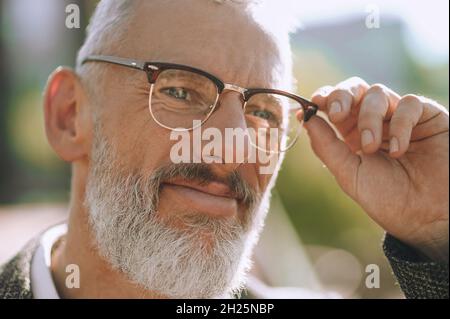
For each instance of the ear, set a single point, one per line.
(67, 123)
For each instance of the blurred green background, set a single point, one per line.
(408, 55)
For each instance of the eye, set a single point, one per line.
(178, 93)
(264, 114)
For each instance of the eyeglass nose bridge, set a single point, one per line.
(238, 89)
(235, 88)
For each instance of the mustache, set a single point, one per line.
(203, 174)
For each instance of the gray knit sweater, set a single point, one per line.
(417, 278)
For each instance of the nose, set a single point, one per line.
(229, 119)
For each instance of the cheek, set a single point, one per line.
(146, 148)
(265, 170)
(264, 180)
(257, 181)
(141, 144)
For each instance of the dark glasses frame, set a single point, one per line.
(154, 69)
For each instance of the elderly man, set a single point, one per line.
(144, 226)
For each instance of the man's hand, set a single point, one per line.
(391, 157)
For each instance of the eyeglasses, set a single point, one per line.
(182, 98)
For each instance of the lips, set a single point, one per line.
(211, 188)
(214, 198)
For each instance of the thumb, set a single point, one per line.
(333, 152)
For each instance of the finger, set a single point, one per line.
(353, 139)
(434, 120)
(320, 97)
(377, 104)
(345, 97)
(405, 117)
(333, 152)
(339, 104)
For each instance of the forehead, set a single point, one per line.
(222, 39)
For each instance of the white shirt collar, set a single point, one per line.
(42, 285)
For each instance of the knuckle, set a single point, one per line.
(375, 98)
(410, 99)
(374, 103)
(352, 82)
(378, 89)
(324, 90)
(356, 81)
(341, 93)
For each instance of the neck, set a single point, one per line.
(97, 278)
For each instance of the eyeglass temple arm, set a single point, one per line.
(135, 64)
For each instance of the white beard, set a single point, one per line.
(171, 262)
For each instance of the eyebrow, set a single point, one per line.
(269, 98)
(180, 74)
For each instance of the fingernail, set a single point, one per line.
(335, 107)
(394, 145)
(366, 137)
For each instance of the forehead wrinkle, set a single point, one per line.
(223, 41)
